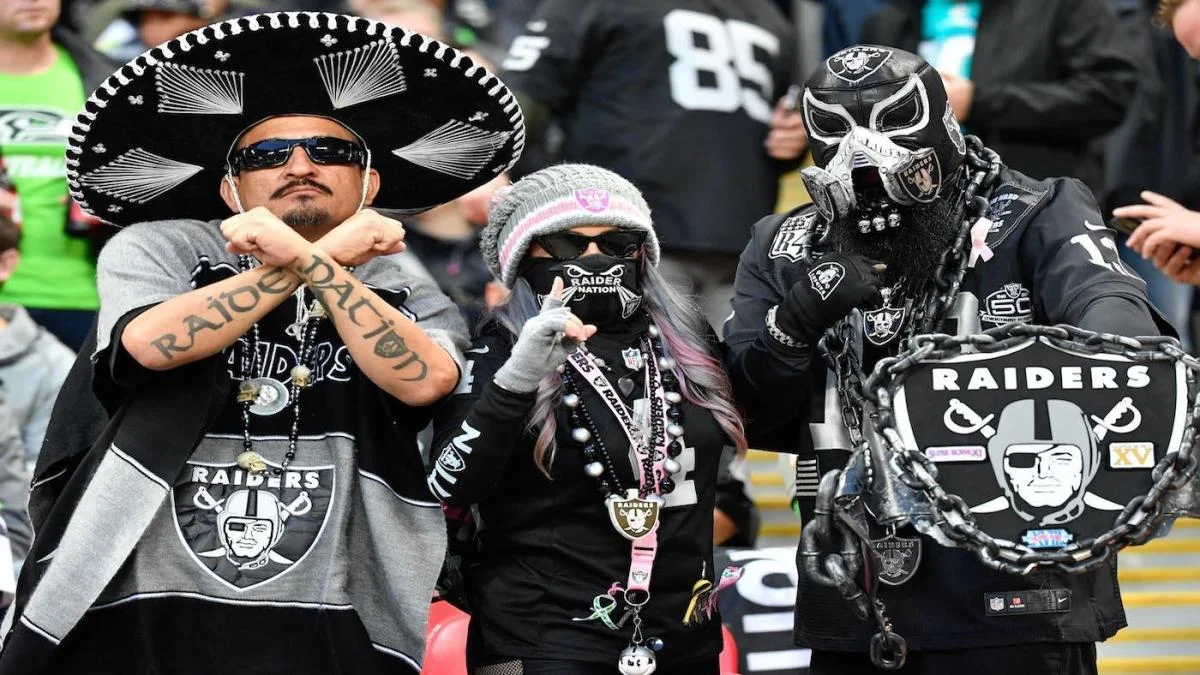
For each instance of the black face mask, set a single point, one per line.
(602, 290)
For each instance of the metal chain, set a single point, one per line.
(835, 563)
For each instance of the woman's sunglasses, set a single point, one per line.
(272, 152)
(571, 245)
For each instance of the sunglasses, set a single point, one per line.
(571, 245)
(273, 152)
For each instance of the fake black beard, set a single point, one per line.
(911, 251)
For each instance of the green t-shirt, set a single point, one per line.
(36, 114)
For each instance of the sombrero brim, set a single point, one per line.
(152, 140)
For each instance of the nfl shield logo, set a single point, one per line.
(996, 604)
(592, 199)
(633, 358)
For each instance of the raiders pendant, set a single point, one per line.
(252, 462)
(272, 395)
(631, 516)
(899, 558)
(636, 660)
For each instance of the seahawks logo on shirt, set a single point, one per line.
(246, 529)
(34, 126)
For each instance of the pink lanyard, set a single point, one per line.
(645, 547)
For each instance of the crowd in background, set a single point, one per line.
(1093, 89)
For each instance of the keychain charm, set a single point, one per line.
(637, 660)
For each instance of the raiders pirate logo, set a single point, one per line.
(922, 176)
(592, 199)
(899, 558)
(1010, 304)
(246, 529)
(1046, 445)
(825, 278)
(881, 326)
(788, 240)
(855, 64)
(581, 282)
(631, 516)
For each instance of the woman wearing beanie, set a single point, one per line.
(586, 434)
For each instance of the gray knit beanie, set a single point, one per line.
(556, 199)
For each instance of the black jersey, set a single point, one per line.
(1053, 259)
(675, 96)
(546, 546)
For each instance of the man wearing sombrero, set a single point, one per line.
(232, 483)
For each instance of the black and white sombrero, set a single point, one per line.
(152, 140)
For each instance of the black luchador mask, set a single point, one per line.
(883, 136)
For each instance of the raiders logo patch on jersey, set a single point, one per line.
(788, 239)
(1010, 304)
(855, 64)
(247, 529)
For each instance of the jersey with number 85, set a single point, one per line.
(676, 96)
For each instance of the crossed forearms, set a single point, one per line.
(385, 344)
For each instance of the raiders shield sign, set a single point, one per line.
(246, 529)
(1045, 445)
(631, 516)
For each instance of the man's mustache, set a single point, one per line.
(301, 182)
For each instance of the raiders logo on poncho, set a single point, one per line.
(1045, 446)
(247, 529)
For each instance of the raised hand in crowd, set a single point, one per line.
(544, 344)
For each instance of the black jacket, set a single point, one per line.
(546, 547)
(1051, 79)
(1063, 271)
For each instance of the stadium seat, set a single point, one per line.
(446, 641)
(729, 652)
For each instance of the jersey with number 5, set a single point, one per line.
(675, 96)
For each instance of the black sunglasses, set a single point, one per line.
(272, 152)
(570, 245)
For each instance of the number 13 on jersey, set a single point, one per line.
(714, 57)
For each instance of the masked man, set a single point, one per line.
(895, 187)
(250, 472)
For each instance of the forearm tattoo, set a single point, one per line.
(361, 310)
(225, 308)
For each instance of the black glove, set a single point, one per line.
(834, 286)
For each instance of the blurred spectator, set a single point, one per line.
(122, 29)
(33, 363)
(44, 79)
(1152, 149)
(1039, 82)
(10, 206)
(419, 15)
(680, 97)
(14, 494)
(446, 241)
(1170, 232)
(844, 20)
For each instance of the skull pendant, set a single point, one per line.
(248, 392)
(636, 660)
(302, 377)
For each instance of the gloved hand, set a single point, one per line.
(543, 345)
(834, 286)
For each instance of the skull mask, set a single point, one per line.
(883, 136)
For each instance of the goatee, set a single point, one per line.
(305, 217)
(911, 251)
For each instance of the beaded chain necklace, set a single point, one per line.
(656, 441)
(264, 395)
